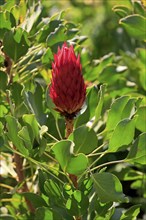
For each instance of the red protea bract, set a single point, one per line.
(67, 90)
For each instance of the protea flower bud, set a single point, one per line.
(68, 89)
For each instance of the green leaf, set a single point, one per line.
(25, 136)
(68, 190)
(47, 214)
(1, 127)
(116, 111)
(98, 109)
(72, 207)
(18, 40)
(15, 10)
(82, 201)
(87, 186)
(59, 34)
(3, 111)
(68, 162)
(46, 29)
(108, 187)
(36, 200)
(3, 80)
(77, 204)
(77, 195)
(139, 9)
(91, 106)
(135, 22)
(131, 213)
(137, 152)
(30, 120)
(73, 31)
(43, 145)
(99, 66)
(141, 54)
(7, 20)
(8, 5)
(77, 164)
(16, 91)
(121, 10)
(35, 103)
(32, 17)
(82, 137)
(17, 97)
(42, 176)
(129, 108)
(52, 189)
(13, 129)
(122, 135)
(47, 57)
(109, 74)
(141, 119)
(62, 152)
(103, 210)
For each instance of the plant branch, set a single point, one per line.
(95, 161)
(69, 126)
(17, 158)
(97, 149)
(58, 130)
(21, 178)
(105, 164)
(44, 167)
(69, 129)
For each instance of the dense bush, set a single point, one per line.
(98, 170)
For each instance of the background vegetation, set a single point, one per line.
(109, 136)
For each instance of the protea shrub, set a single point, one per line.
(67, 90)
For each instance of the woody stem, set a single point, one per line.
(21, 178)
(17, 158)
(69, 129)
(69, 126)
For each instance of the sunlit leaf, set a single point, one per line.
(131, 213)
(32, 122)
(135, 22)
(122, 135)
(13, 128)
(82, 137)
(68, 162)
(25, 136)
(137, 152)
(141, 119)
(77, 164)
(116, 111)
(59, 34)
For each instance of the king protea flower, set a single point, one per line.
(67, 90)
